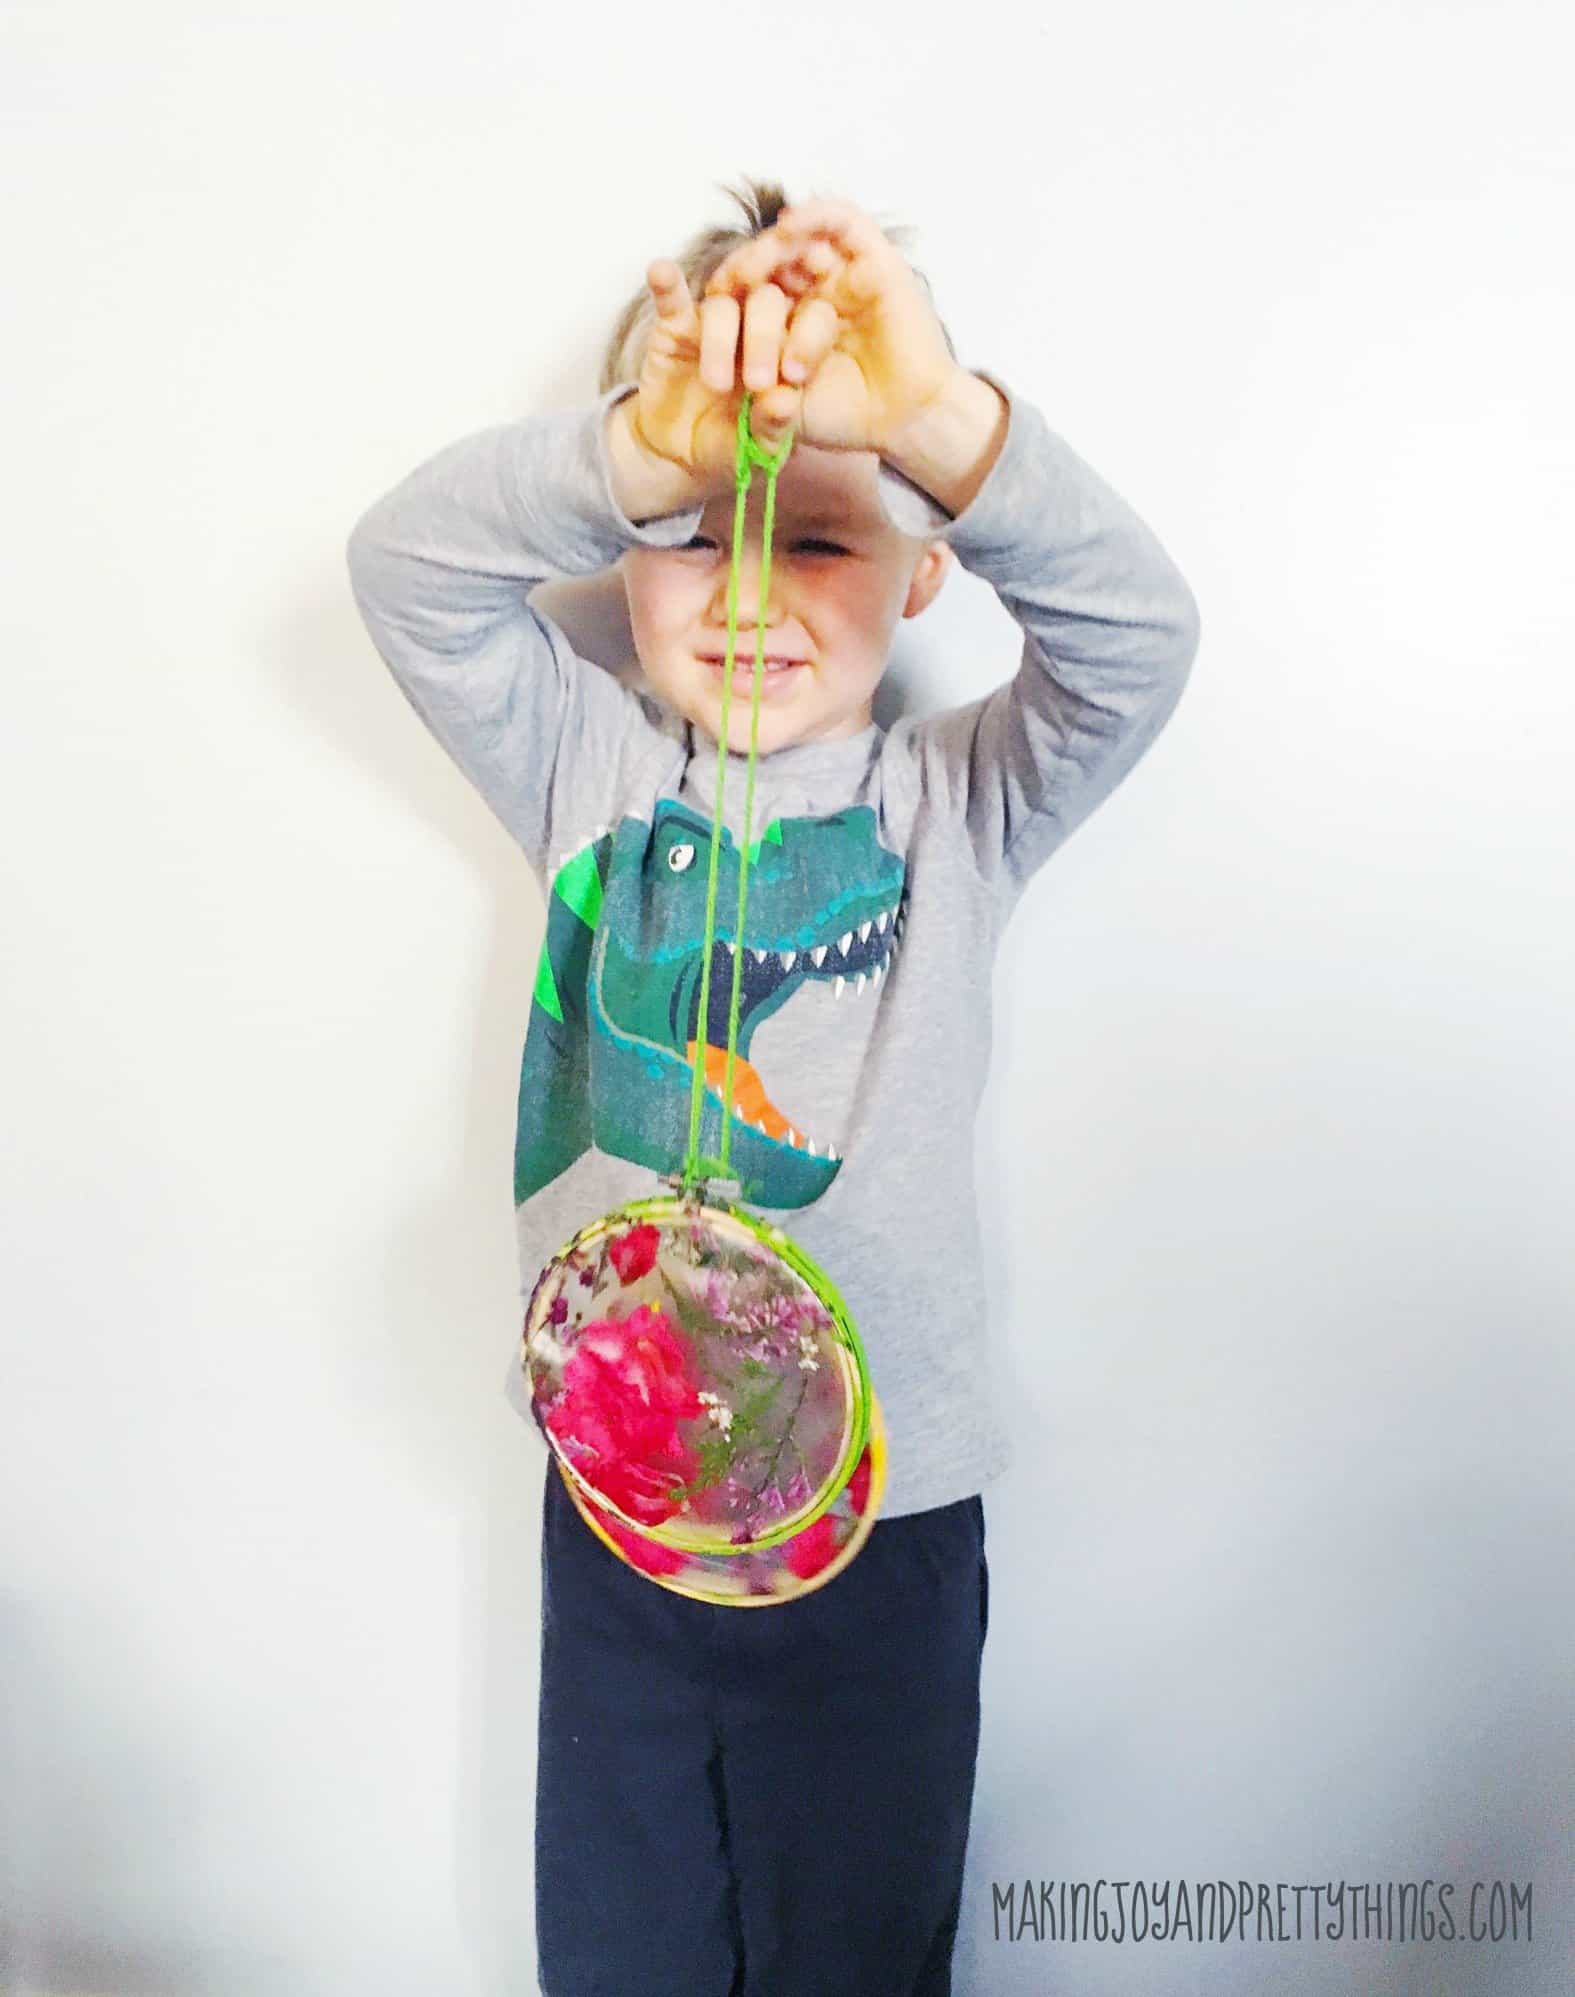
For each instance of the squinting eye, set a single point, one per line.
(828, 547)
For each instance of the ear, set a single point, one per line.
(929, 572)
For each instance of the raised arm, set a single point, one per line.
(441, 568)
(1110, 631)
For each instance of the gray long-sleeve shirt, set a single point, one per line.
(882, 870)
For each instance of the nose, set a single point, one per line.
(750, 562)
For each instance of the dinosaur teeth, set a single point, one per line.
(844, 940)
(789, 958)
(817, 956)
(882, 919)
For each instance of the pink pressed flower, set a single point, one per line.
(643, 1355)
(645, 1554)
(633, 1253)
(807, 1552)
(859, 1484)
(624, 1393)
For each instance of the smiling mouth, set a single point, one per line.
(741, 664)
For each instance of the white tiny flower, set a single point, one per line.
(544, 1346)
(808, 1365)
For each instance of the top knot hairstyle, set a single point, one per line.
(762, 201)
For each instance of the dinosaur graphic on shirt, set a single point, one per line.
(610, 1051)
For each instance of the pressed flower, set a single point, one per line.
(625, 1389)
(647, 1554)
(633, 1254)
(812, 1549)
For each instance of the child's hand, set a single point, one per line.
(863, 348)
(677, 415)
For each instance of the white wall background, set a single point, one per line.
(1280, 1126)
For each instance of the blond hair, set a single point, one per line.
(762, 201)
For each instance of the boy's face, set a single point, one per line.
(841, 577)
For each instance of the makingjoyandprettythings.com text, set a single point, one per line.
(1222, 1910)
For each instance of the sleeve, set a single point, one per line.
(440, 569)
(1110, 630)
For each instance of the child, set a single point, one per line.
(776, 1803)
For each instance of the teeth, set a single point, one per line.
(872, 977)
(793, 1137)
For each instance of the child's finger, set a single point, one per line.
(842, 220)
(766, 259)
(771, 411)
(765, 316)
(670, 292)
(851, 234)
(719, 320)
(810, 338)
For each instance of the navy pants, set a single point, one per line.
(767, 1802)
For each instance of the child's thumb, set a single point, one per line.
(772, 410)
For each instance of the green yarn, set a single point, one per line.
(750, 453)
